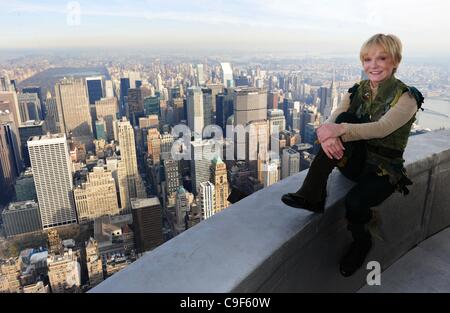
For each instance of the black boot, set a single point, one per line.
(359, 248)
(311, 196)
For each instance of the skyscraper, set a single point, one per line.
(154, 145)
(207, 199)
(195, 114)
(124, 86)
(221, 188)
(250, 104)
(130, 176)
(208, 117)
(29, 107)
(290, 162)
(8, 172)
(52, 175)
(202, 152)
(147, 223)
(135, 105)
(37, 90)
(200, 75)
(172, 175)
(97, 196)
(27, 130)
(73, 110)
(227, 75)
(270, 173)
(277, 122)
(224, 109)
(95, 88)
(108, 109)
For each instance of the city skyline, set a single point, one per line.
(298, 26)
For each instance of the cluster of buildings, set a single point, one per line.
(141, 157)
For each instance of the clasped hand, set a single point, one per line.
(328, 136)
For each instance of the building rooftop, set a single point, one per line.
(139, 203)
(21, 205)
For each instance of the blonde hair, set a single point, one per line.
(390, 43)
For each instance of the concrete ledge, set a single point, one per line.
(261, 245)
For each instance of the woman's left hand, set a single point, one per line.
(329, 130)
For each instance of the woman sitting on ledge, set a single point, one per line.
(365, 137)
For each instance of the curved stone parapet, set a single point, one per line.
(260, 245)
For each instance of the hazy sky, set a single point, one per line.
(290, 25)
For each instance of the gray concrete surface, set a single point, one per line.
(425, 268)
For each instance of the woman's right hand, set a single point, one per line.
(333, 148)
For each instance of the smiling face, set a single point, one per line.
(378, 64)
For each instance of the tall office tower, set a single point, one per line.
(94, 88)
(296, 119)
(288, 105)
(29, 107)
(10, 276)
(21, 218)
(277, 122)
(227, 75)
(5, 83)
(159, 83)
(181, 207)
(166, 145)
(219, 179)
(108, 109)
(208, 116)
(215, 90)
(124, 86)
(52, 174)
(131, 178)
(272, 100)
(9, 103)
(96, 197)
(311, 136)
(257, 144)
(202, 152)
(154, 145)
(195, 114)
(332, 101)
(54, 242)
(100, 129)
(324, 94)
(109, 89)
(12, 135)
(134, 76)
(307, 115)
(52, 122)
(147, 223)
(73, 110)
(172, 175)
(178, 110)
(224, 109)
(25, 189)
(8, 171)
(290, 163)
(200, 75)
(64, 272)
(270, 173)
(37, 90)
(135, 105)
(152, 105)
(27, 130)
(207, 199)
(93, 263)
(250, 104)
